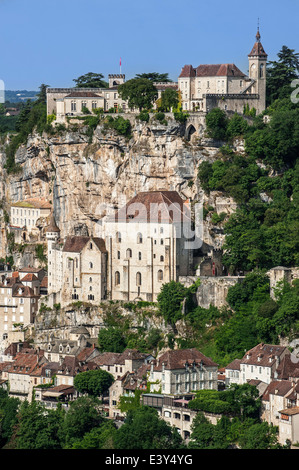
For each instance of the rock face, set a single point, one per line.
(85, 179)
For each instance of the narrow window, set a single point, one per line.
(117, 278)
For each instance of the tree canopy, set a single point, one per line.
(91, 80)
(154, 76)
(93, 382)
(139, 92)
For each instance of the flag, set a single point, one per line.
(120, 62)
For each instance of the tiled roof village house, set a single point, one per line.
(183, 371)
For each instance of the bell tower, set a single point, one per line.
(257, 71)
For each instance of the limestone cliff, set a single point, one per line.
(82, 176)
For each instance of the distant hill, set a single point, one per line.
(19, 95)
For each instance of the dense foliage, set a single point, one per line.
(140, 93)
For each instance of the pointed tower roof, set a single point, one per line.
(52, 227)
(258, 49)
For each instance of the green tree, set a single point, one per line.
(154, 76)
(91, 80)
(216, 122)
(93, 382)
(101, 437)
(143, 429)
(280, 74)
(38, 428)
(8, 416)
(169, 99)
(82, 417)
(259, 436)
(170, 300)
(139, 92)
(111, 339)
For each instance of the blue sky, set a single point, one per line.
(55, 41)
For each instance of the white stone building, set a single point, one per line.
(25, 217)
(182, 371)
(261, 362)
(147, 243)
(77, 268)
(225, 85)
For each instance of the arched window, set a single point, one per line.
(161, 241)
(161, 229)
(76, 263)
(90, 246)
(118, 237)
(90, 279)
(261, 70)
(129, 253)
(138, 279)
(161, 258)
(90, 288)
(139, 237)
(90, 265)
(118, 255)
(117, 278)
(160, 275)
(139, 255)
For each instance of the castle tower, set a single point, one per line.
(257, 71)
(54, 257)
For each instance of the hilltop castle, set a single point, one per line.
(225, 86)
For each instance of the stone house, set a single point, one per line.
(232, 373)
(22, 371)
(182, 371)
(261, 362)
(117, 364)
(65, 102)
(126, 386)
(147, 243)
(25, 218)
(289, 426)
(77, 268)
(174, 410)
(18, 307)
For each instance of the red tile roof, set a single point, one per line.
(83, 94)
(257, 50)
(234, 365)
(277, 387)
(187, 71)
(29, 278)
(177, 359)
(33, 202)
(76, 244)
(263, 354)
(212, 70)
(153, 206)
